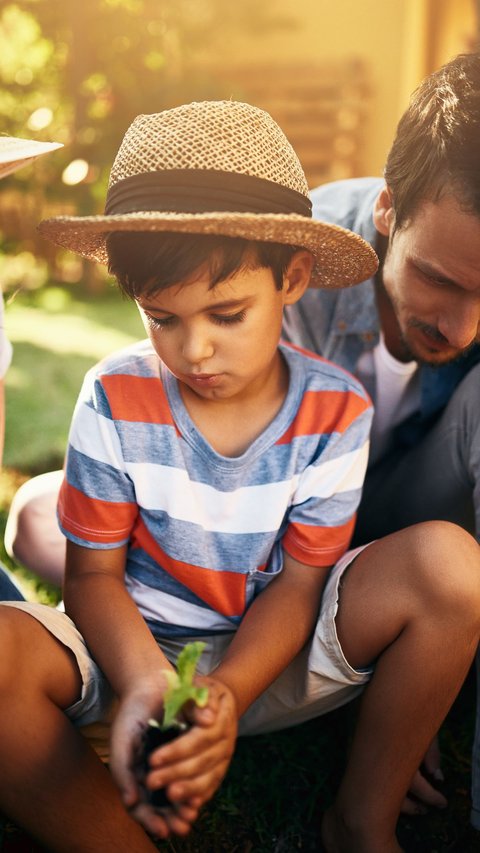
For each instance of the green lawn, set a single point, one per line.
(56, 337)
(278, 785)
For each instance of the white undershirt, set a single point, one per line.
(395, 390)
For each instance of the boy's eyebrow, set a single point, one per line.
(226, 303)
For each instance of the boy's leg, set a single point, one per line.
(411, 603)
(52, 783)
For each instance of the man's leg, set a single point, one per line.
(32, 534)
(411, 603)
(52, 784)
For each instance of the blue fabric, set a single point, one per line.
(343, 324)
(9, 591)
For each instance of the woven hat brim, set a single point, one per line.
(342, 258)
(15, 153)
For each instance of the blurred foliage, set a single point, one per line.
(78, 73)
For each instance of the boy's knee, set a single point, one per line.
(447, 566)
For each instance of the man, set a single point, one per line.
(14, 153)
(412, 333)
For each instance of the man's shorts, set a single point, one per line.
(318, 680)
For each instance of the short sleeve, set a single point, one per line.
(323, 512)
(97, 506)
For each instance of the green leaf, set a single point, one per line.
(180, 686)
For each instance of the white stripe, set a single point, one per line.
(96, 436)
(159, 487)
(343, 474)
(154, 604)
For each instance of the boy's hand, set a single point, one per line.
(190, 767)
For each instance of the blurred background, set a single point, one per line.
(336, 76)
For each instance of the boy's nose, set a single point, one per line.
(197, 347)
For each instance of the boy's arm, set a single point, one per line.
(116, 634)
(124, 648)
(275, 628)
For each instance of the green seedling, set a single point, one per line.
(180, 690)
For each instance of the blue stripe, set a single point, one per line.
(167, 630)
(97, 479)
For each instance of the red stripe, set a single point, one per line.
(324, 412)
(137, 398)
(222, 591)
(94, 520)
(318, 546)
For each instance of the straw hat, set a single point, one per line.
(214, 167)
(16, 153)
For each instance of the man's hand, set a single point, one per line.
(191, 767)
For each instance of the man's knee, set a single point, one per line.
(32, 535)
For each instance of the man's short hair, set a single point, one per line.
(144, 263)
(436, 150)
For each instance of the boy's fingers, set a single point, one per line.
(194, 744)
(152, 822)
(200, 788)
(177, 819)
(187, 769)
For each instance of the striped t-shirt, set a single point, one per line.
(205, 532)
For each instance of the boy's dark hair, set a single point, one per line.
(144, 262)
(437, 145)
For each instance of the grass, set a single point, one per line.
(278, 785)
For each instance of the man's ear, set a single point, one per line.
(383, 212)
(296, 277)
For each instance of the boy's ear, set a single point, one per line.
(297, 276)
(383, 212)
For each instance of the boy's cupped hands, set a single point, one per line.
(190, 768)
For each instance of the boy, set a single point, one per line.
(210, 492)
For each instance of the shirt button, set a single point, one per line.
(342, 325)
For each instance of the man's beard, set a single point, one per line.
(436, 359)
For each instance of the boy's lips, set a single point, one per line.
(203, 379)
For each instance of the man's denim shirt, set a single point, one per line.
(342, 324)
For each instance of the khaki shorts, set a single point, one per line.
(318, 680)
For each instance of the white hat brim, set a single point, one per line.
(15, 153)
